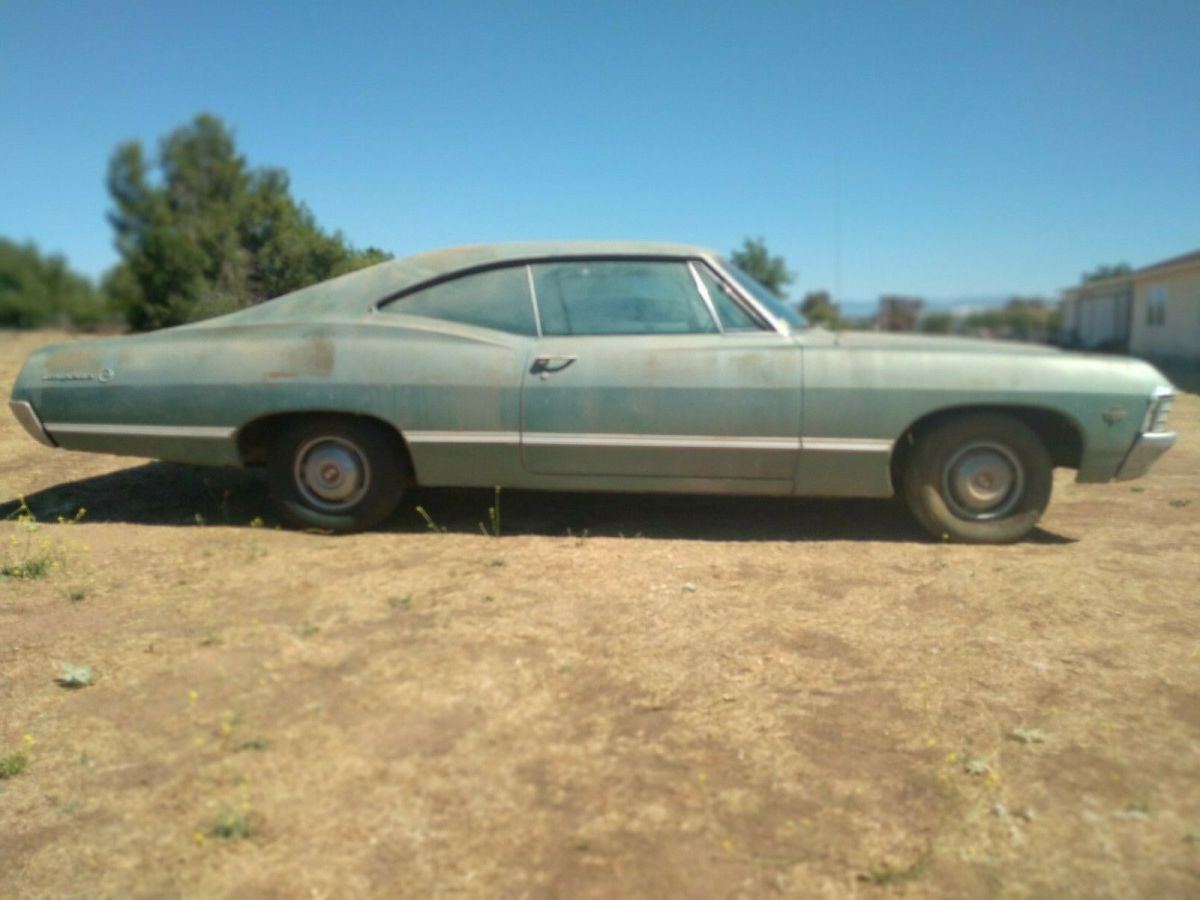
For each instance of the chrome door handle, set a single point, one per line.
(552, 362)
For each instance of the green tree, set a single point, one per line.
(770, 271)
(819, 309)
(37, 290)
(201, 233)
(1102, 271)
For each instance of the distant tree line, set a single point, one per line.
(37, 290)
(199, 233)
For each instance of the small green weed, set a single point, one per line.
(1179, 502)
(429, 523)
(27, 569)
(404, 602)
(13, 765)
(77, 595)
(231, 826)
(255, 744)
(493, 516)
(886, 874)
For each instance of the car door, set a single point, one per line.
(634, 374)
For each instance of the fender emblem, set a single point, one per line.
(1114, 414)
(104, 376)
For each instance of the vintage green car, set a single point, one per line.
(596, 366)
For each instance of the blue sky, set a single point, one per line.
(966, 148)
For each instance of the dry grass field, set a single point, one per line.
(618, 697)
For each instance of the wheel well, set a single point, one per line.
(254, 439)
(1060, 435)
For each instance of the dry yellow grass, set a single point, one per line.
(621, 696)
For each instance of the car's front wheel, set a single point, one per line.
(335, 474)
(981, 479)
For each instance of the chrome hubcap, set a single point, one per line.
(331, 473)
(983, 481)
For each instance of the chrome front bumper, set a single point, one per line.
(1142, 455)
(26, 415)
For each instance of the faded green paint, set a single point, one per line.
(325, 349)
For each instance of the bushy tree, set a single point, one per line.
(41, 289)
(819, 309)
(756, 261)
(201, 233)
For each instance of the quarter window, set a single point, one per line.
(1156, 304)
(619, 297)
(497, 299)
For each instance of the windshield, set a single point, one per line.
(773, 304)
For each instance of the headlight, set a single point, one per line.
(1160, 408)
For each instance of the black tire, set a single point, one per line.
(981, 478)
(336, 474)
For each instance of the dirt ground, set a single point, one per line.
(620, 696)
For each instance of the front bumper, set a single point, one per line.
(1142, 455)
(28, 417)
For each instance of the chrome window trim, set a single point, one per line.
(198, 432)
(704, 295)
(757, 309)
(537, 315)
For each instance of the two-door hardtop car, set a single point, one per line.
(596, 366)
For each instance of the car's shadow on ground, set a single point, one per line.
(176, 495)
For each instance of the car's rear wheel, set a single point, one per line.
(981, 479)
(336, 474)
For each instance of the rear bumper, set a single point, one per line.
(28, 417)
(1142, 455)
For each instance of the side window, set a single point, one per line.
(1156, 305)
(497, 299)
(619, 297)
(732, 316)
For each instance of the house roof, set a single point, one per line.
(1104, 286)
(1187, 259)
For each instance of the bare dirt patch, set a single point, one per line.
(620, 696)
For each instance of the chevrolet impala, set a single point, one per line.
(596, 367)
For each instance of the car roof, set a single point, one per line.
(358, 291)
